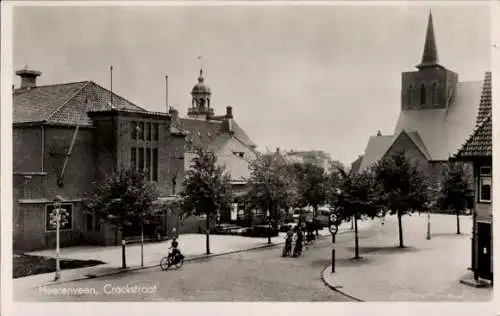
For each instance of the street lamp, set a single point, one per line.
(57, 208)
(435, 192)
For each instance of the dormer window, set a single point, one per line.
(423, 94)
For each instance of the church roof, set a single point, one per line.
(430, 55)
(443, 131)
(375, 150)
(62, 103)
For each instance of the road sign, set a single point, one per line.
(333, 218)
(333, 229)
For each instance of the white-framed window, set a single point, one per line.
(485, 183)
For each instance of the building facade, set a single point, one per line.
(221, 135)
(68, 136)
(478, 151)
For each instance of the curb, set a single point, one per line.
(201, 257)
(336, 289)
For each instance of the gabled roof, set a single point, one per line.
(375, 150)
(356, 164)
(485, 103)
(417, 140)
(65, 103)
(480, 142)
(443, 131)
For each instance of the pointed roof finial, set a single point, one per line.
(430, 55)
(200, 78)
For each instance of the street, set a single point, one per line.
(260, 275)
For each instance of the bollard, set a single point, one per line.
(333, 260)
(124, 263)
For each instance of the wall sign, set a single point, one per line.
(66, 213)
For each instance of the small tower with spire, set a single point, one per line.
(432, 86)
(200, 104)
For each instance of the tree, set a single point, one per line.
(311, 185)
(207, 189)
(123, 199)
(405, 187)
(456, 189)
(272, 187)
(354, 195)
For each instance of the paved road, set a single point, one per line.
(260, 275)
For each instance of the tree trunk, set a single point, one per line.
(400, 224)
(356, 240)
(315, 224)
(458, 221)
(207, 232)
(269, 224)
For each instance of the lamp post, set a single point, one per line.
(435, 195)
(268, 216)
(57, 209)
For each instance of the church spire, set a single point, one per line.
(430, 55)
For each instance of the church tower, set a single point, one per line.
(200, 104)
(432, 86)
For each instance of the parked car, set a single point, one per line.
(322, 218)
(260, 231)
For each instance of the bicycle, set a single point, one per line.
(169, 261)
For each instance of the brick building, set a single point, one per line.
(222, 135)
(66, 137)
(437, 115)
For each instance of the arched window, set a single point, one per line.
(410, 92)
(434, 93)
(423, 94)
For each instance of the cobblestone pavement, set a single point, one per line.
(260, 275)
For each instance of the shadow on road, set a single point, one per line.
(352, 262)
(394, 249)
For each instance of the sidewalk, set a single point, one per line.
(192, 246)
(426, 270)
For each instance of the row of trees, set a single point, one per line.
(394, 185)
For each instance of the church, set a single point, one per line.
(438, 114)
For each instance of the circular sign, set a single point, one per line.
(333, 229)
(333, 218)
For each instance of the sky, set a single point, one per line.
(297, 77)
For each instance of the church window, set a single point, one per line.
(434, 93)
(423, 94)
(410, 92)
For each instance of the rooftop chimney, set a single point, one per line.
(229, 112)
(174, 114)
(379, 133)
(28, 78)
